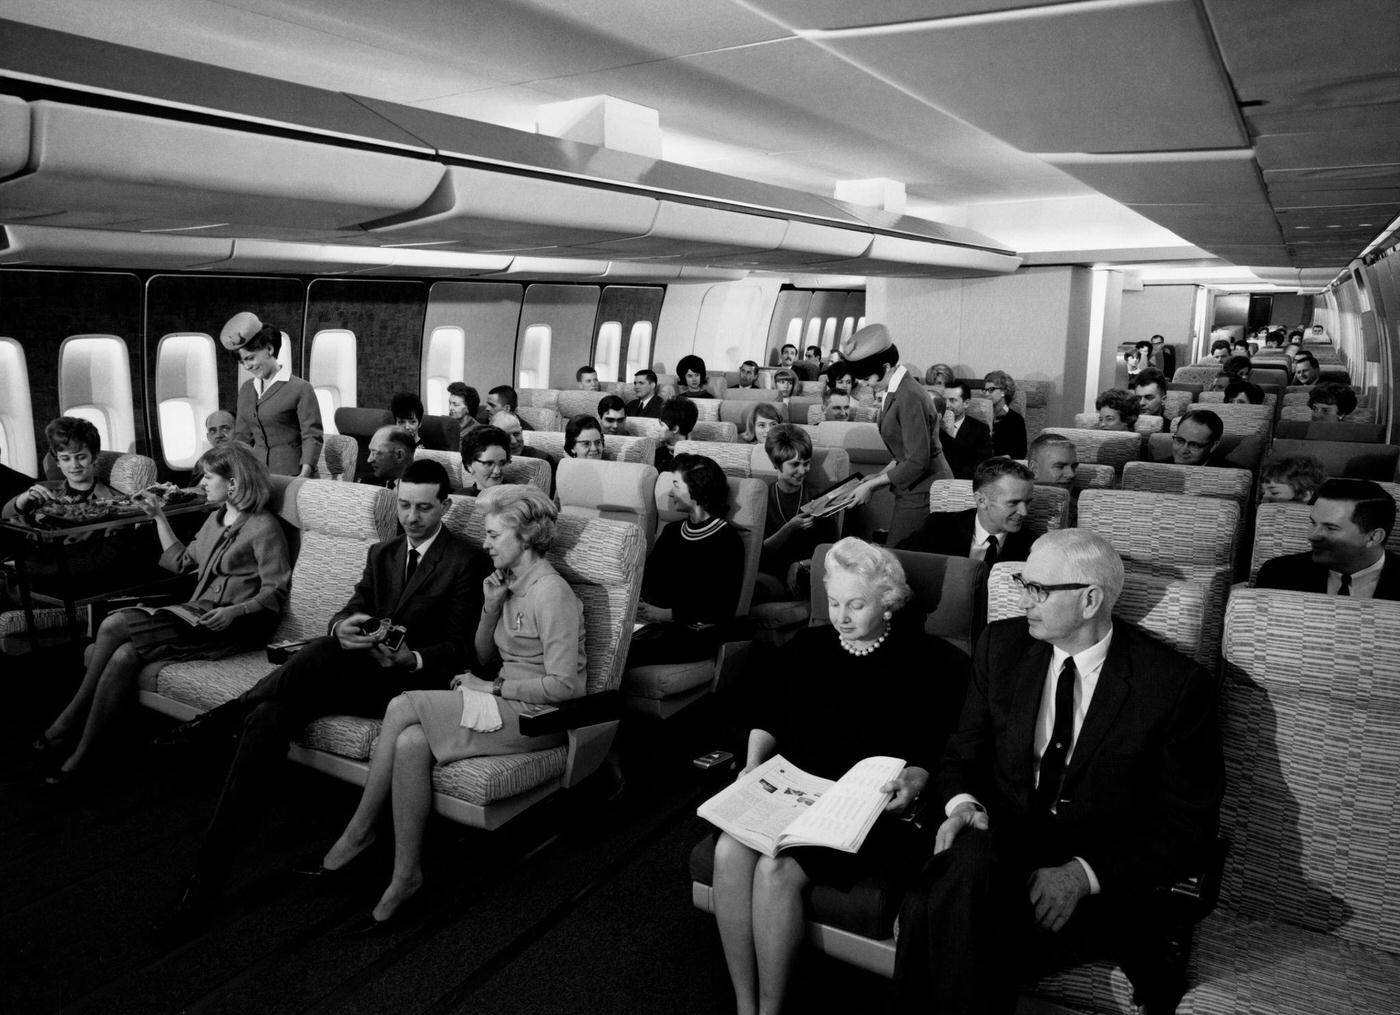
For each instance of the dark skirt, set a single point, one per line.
(161, 637)
(892, 850)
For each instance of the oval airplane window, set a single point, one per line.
(534, 357)
(17, 448)
(444, 361)
(332, 372)
(848, 326)
(607, 350)
(639, 347)
(794, 332)
(94, 383)
(828, 333)
(187, 391)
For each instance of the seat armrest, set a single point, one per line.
(604, 706)
(1194, 897)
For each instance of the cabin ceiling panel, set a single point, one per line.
(1180, 178)
(806, 14)
(1377, 145)
(1156, 83)
(498, 212)
(1252, 253)
(1207, 225)
(103, 168)
(1304, 188)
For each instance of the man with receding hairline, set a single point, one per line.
(1054, 459)
(1085, 777)
(390, 452)
(995, 529)
(218, 427)
(1349, 524)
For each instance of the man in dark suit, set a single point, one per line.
(993, 530)
(648, 402)
(426, 580)
(1085, 776)
(967, 441)
(391, 450)
(1351, 521)
(1197, 440)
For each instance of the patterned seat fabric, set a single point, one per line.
(620, 490)
(1200, 481)
(1049, 507)
(1102, 447)
(540, 417)
(734, 459)
(125, 473)
(714, 431)
(859, 414)
(340, 456)
(541, 398)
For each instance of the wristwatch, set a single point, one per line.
(496, 686)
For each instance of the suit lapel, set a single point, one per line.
(1025, 709)
(425, 567)
(1109, 698)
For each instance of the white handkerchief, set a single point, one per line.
(480, 711)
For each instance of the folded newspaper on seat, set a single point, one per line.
(777, 805)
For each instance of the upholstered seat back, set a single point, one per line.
(1279, 529)
(1049, 507)
(740, 411)
(1197, 480)
(1102, 447)
(859, 414)
(644, 426)
(948, 590)
(1089, 476)
(543, 398)
(706, 409)
(580, 403)
(623, 491)
(733, 458)
(540, 417)
(1212, 399)
(340, 456)
(829, 466)
(1172, 610)
(1347, 459)
(339, 523)
(534, 471)
(1312, 731)
(602, 560)
(1174, 403)
(861, 441)
(1198, 373)
(714, 431)
(615, 448)
(1240, 451)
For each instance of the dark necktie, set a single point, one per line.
(993, 551)
(1052, 763)
(412, 566)
(1345, 589)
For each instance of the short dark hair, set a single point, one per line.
(1151, 376)
(467, 394)
(1127, 405)
(992, 469)
(64, 432)
(649, 374)
(587, 368)
(1235, 364)
(1044, 441)
(1308, 357)
(1334, 393)
(706, 482)
(402, 438)
(681, 413)
(1144, 344)
(787, 345)
(426, 470)
(406, 404)
(269, 336)
(961, 386)
(1372, 508)
(838, 370)
(786, 442)
(811, 349)
(577, 425)
(611, 403)
(1206, 418)
(1220, 343)
(1251, 391)
(748, 363)
(478, 439)
(506, 394)
(691, 364)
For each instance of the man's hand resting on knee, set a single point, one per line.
(1056, 891)
(965, 815)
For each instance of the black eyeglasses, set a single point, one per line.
(1182, 442)
(1040, 592)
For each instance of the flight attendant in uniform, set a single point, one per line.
(278, 416)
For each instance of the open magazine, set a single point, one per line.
(777, 805)
(188, 612)
(835, 498)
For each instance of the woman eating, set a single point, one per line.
(243, 573)
(814, 717)
(278, 416)
(530, 647)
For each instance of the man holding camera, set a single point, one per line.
(408, 626)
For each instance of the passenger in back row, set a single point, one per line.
(967, 440)
(278, 415)
(218, 427)
(762, 418)
(691, 370)
(1351, 519)
(1196, 439)
(391, 451)
(648, 402)
(995, 529)
(1150, 387)
(583, 438)
(1117, 410)
(1331, 402)
(514, 428)
(1295, 478)
(695, 573)
(407, 410)
(587, 378)
(1053, 459)
(463, 403)
(748, 374)
(789, 534)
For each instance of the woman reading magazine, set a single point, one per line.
(871, 683)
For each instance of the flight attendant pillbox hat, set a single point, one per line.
(239, 330)
(868, 349)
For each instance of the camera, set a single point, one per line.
(388, 634)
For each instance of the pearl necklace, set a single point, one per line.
(866, 650)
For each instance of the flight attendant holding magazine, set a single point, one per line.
(871, 684)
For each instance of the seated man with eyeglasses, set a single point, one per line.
(1084, 778)
(485, 455)
(1196, 439)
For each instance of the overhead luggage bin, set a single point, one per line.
(97, 168)
(14, 135)
(106, 248)
(280, 257)
(804, 243)
(696, 232)
(501, 212)
(898, 257)
(553, 267)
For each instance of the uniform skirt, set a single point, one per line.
(440, 713)
(161, 637)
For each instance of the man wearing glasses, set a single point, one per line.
(1084, 778)
(1196, 439)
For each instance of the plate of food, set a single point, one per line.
(69, 513)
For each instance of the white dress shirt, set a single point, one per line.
(978, 550)
(1363, 582)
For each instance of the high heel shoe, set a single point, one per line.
(365, 925)
(316, 869)
(63, 779)
(44, 743)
